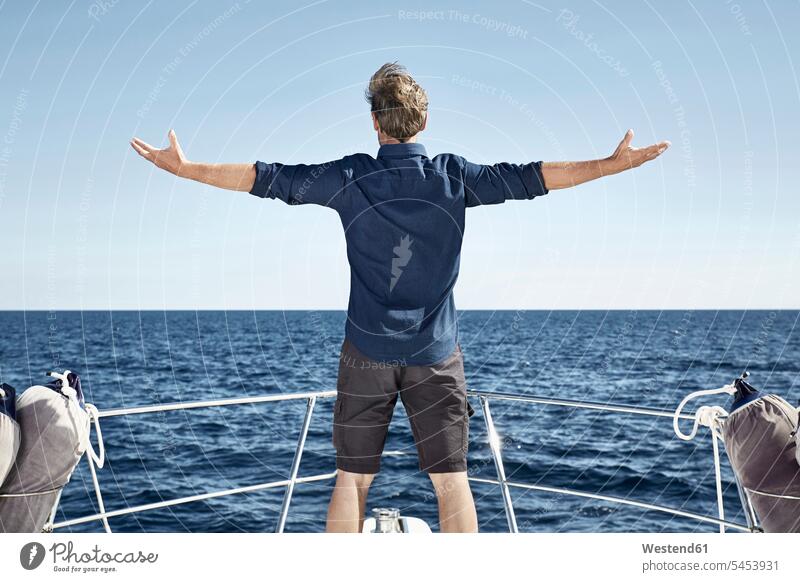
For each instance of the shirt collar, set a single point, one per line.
(401, 150)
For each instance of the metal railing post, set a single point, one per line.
(718, 479)
(494, 446)
(747, 506)
(48, 526)
(298, 454)
(97, 491)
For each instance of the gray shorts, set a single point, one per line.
(435, 400)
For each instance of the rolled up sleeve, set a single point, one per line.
(494, 184)
(320, 184)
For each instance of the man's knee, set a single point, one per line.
(357, 480)
(444, 483)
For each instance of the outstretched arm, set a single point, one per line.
(566, 174)
(240, 177)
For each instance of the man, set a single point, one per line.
(403, 216)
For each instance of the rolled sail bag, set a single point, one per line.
(759, 439)
(54, 428)
(9, 430)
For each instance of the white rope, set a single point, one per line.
(96, 460)
(705, 415)
(775, 495)
(31, 494)
(94, 416)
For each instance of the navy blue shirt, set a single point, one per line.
(403, 219)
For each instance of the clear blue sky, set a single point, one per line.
(87, 224)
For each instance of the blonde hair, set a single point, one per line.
(398, 102)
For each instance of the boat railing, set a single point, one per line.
(495, 445)
(505, 484)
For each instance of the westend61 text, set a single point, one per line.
(675, 549)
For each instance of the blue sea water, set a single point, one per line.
(648, 358)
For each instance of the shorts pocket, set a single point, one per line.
(465, 424)
(465, 434)
(337, 421)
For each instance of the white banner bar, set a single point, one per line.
(230, 557)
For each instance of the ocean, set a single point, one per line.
(647, 358)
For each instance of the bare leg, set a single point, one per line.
(456, 506)
(348, 502)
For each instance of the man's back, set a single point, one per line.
(403, 222)
(403, 218)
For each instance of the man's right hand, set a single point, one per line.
(170, 159)
(567, 174)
